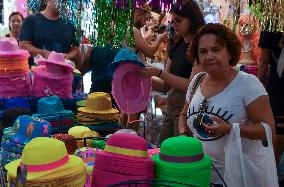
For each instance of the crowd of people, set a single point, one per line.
(238, 117)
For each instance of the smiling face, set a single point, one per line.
(180, 24)
(213, 55)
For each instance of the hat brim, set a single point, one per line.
(114, 65)
(63, 112)
(86, 110)
(43, 61)
(17, 53)
(81, 103)
(134, 104)
(73, 165)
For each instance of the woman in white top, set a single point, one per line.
(226, 96)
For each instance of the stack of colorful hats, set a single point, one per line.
(88, 156)
(97, 113)
(47, 163)
(53, 77)
(24, 130)
(52, 110)
(181, 159)
(124, 158)
(14, 70)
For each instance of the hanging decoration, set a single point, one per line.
(270, 14)
(113, 19)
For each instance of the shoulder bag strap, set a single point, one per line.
(196, 83)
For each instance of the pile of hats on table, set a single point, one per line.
(45, 162)
(14, 70)
(25, 128)
(52, 110)
(53, 76)
(98, 113)
(125, 158)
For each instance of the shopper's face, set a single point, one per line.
(213, 56)
(15, 22)
(180, 24)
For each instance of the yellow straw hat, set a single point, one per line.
(85, 135)
(98, 103)
(47, 161)
(77, 133)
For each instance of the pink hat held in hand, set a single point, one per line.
(130, 90)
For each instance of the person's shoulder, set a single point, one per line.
(33, 16)
(246, 78)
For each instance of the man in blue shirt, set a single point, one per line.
(46, 31)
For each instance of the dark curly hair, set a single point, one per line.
(225, 37)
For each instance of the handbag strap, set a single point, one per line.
(196, 83)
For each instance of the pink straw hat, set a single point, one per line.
(130, 90)
(125, 157)
(57, 59)
(9, 48)
(15, 85)
(103, 179)
(48, 83)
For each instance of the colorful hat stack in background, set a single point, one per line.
(130, 91)
(182, 159)
(69, 140)
(24, 130)
(53, 77)
(48, 164)
(88, 134)
(14, 70)
(97, 112)
(77, 132)
(52, 110)
(124, 158)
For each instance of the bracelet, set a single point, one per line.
(160, 73)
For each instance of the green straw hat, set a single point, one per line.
(181, 159)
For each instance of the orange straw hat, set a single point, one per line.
(48, 163)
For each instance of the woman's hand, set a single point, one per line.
(218, 128)
(149, 71)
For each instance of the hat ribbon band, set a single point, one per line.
(47, 167)
(125, 151)
(181, 159)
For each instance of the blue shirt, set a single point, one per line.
(100, 58)
(53, 35)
